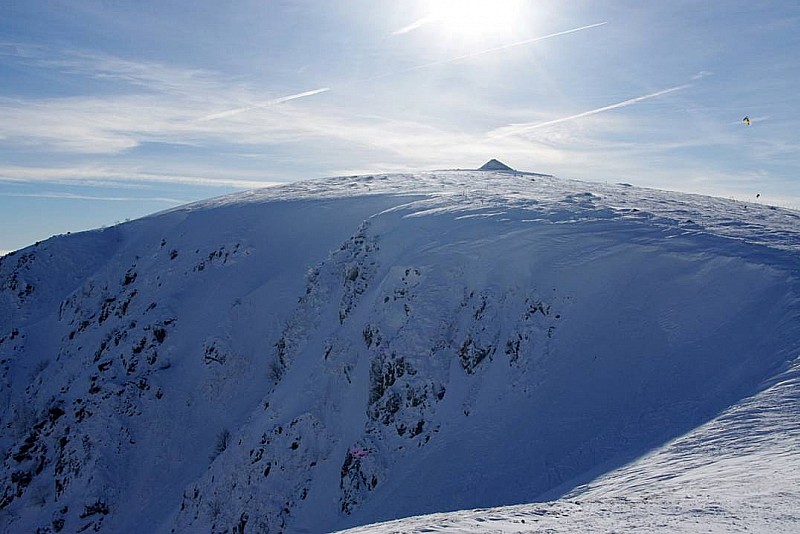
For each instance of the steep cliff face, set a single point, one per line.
(339, 352)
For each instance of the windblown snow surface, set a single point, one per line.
(552, 355)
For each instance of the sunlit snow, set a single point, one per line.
(336, 353)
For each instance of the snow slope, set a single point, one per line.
(340, 352)
(738, 473)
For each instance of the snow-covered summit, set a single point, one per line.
(339, 352)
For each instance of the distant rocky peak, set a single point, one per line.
(495, 165)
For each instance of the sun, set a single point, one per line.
(475, 19)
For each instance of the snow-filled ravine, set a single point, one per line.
(341, 352)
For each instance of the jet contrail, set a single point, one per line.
(232, 112)
(414, 25)
(482, 52)
(516, 129)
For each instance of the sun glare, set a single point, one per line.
(469, 19)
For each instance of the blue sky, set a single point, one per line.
(113, 110)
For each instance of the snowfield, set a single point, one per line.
(510, 352)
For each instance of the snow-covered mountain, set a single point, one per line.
(341, 352)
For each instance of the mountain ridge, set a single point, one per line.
(366, 325)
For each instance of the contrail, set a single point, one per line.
(232, 112)
(414, 25)
(482, 52)
(516, 129)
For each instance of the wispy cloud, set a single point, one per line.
(114, 124)
(517, 129)
(118, 176)
(702, 74)
(95, 126)
(162, 104)
(153, 103)
(151, 75)
(72, 196)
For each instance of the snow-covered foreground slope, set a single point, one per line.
(737, 473)
(341, 352)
